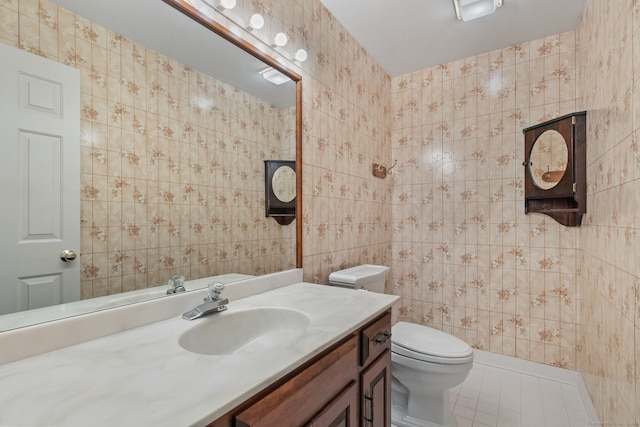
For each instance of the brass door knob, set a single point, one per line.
(68, 255)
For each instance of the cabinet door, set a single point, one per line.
(376, 393)
(342, 411)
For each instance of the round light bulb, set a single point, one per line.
(228, 4)
(280, 39)
(301, 55)
(257, 21)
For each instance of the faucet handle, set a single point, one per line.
(215, 289)
(176, 284)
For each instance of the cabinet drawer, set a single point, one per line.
(375, 339)
(298, 399)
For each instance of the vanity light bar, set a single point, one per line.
(301, 55)
(256, 22)
(226, 4)
(280, 40)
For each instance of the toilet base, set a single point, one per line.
(400, 418)
(399, 404)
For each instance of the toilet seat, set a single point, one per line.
(429, 345)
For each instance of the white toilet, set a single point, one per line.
(425, 362)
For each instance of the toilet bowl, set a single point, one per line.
(425, 362)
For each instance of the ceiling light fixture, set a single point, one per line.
(473, 9)
(274, 76)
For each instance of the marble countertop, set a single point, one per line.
(144, 377)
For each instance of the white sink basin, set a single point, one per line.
(244, 331)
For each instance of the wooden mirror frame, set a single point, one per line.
(567, 201)
(196, 15)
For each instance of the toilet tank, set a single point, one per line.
(367, 276)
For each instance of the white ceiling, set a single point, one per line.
(401, 35)
(409, 35)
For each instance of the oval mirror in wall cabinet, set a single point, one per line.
(548, 161)
(555, 168)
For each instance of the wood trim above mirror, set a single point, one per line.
(193, 13)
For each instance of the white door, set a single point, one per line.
(39, 181)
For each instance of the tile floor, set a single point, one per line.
(506, 392)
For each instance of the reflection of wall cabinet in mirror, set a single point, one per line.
(280, 190)
(555, 161)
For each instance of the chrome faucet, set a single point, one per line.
(213, 303)
(176, 284)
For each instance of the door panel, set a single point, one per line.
(40, 174)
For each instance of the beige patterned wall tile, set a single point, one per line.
(608, 272)
(505, 272)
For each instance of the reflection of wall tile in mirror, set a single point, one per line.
(159, 157)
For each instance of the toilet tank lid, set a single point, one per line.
(359, 275)
(425, 340)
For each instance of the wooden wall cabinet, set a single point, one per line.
(349, 385)
(555, 163)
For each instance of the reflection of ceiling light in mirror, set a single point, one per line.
(301, 55)
(473, 9)
(256, 22)
(280, 39)
(274, 76)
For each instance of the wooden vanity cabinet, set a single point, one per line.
(348, 385)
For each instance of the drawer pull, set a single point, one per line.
(382, 338)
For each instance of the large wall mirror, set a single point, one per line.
(177, 121)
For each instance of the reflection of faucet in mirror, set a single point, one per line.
(213, 303)
(176, 285)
